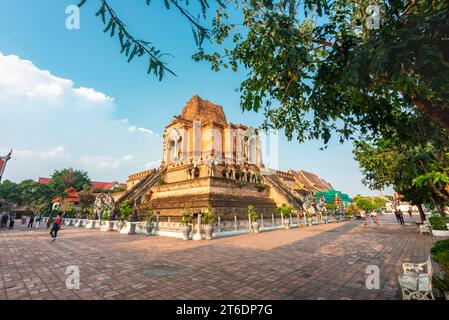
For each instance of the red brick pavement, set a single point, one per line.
(319, 262)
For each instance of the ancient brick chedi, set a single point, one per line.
(209, 161)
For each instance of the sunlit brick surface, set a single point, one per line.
(319, 262)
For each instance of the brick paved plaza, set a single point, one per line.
(319, 262)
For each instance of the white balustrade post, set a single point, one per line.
(197, 235)
(235, 222)
(272, 220)
(261, 220)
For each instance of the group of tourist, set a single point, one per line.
(36, 220)
(373, 215)
(400, 215)
(33, 222)
(4, 217)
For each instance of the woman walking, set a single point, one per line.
(375, 218)
(56, 226)
(38, 221)
(363, 216)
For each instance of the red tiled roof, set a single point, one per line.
(311, 181)
(44, 180)
(72, 196)
(95, 184)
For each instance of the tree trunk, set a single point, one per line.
(421, 212)
(438, 113)
(441, 209)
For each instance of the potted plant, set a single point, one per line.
(285, 211)
(186, 219)
(107, 225)
(252, 214)
(208, 218)
(125, 211)
(90, 218)
(149, 223)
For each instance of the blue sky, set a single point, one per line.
(111, 127)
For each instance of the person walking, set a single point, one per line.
(398, 218)
(4, 220)
(30, 223)
(12, 219)
(38, 221)
(375, 218)
(363, 216)
(410, 211)
(401, 217)
(56, 226)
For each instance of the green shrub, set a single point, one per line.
(208, 217)
(260, 186)
(149, 215)
(105, 215)
(252, 213)
(284, 210)
(186, 217)
(439, 223)
(442, 283)
(125, 210)
(440, 246)
(440, 254)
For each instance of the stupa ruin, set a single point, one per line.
(208, 161)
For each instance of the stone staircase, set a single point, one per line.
(275, 182)
(138, 190)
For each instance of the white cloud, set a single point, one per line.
(104, 163)
(51, 124)
(91, 94)
(58, 151)
(145, 130)
(21, 78)
(152, 164)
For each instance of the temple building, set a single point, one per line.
(210, 161)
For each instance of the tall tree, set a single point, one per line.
(87, 198)
(63, 179)
(399, 162)
(9, 191)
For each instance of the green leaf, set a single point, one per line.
(111, 22)
(133, 53)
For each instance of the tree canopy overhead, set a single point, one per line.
(313, 66)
